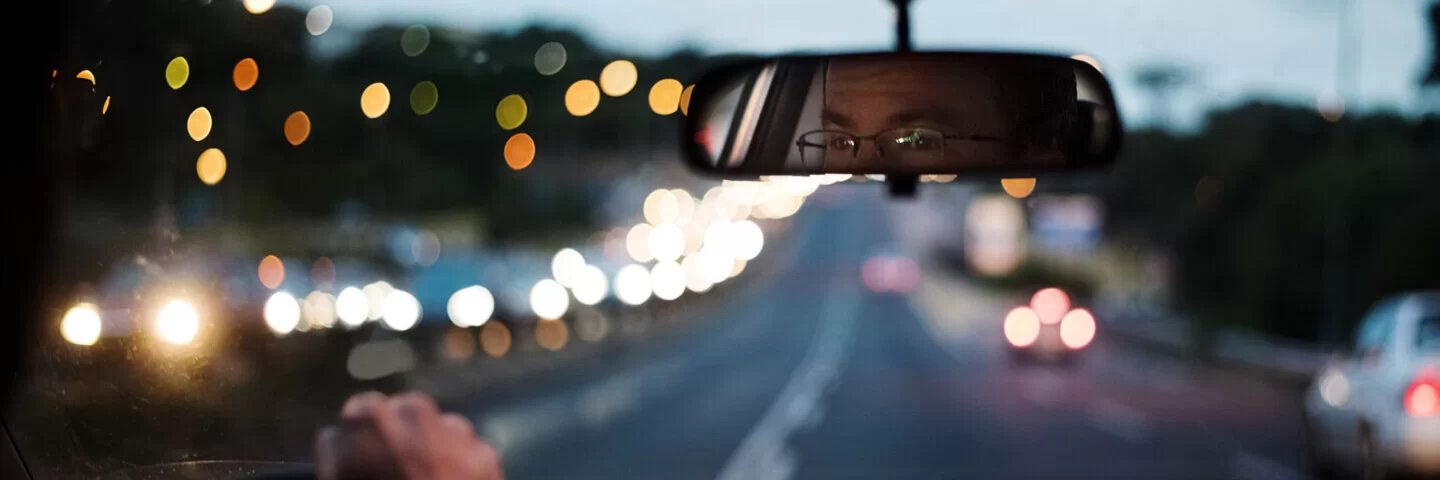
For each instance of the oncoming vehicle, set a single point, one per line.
(1376, 411)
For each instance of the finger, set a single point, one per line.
(326, 458)
(458, 425)
(488, 461)
(417, 410)
(361, 404)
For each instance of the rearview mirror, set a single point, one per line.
(902, 113)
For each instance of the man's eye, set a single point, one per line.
(917, 140)
(842, 143)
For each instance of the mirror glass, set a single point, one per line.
(903, 113)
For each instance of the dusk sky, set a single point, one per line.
(1237, 49)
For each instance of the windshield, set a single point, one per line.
(1427, 333)
(266, 206)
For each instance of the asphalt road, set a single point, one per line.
(806, 374)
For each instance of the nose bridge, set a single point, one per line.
(869, 151)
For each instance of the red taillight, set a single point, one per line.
(1022, 327)
(1423, 398)
(1077, 329)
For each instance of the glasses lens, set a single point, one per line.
(818, 148)
(912, 144)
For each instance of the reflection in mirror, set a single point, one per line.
(904, 113)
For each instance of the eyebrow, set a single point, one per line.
(925, 114)
(830, 116)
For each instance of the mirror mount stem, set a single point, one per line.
(902, 186)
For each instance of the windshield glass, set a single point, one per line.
(1428, 333)
(263, 207)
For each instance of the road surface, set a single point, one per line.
(806, 374)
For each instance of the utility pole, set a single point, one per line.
(1337, 231)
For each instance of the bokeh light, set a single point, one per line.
(667, 242)
(282, 313)
(352, 307)
(565, 264)
(177, 323)
(297, 128)
(375, 296)
(210, 167)
(668, 280)
(415, 40)
(695, 280)
(665, 96)
(401, 311)
(424, 97)
(714, 264)
(1330, 105)
(637, 242)
(322, 273)
(495, 339)
(684, 206)
(510, 113)
(589, 285)
(1022, 327)
(1050, 304)
(632, 284)
(746, 240)
(375, 100)
(653, 205)
(86, 75)
(549, 300)
(245, 74)
(104, 109)
(685, 99)
(81, 324)
(271, 272)
(1018, 187)
(550, 58)
(471, 306)
(318, 310)
(177, 72)
(994, 241)
(199, 123)
(582, 98)
(737, 268)
(1077, 329)
(424, 248)
(519, 151)
(552, 335)
(319, 19)
(618, 78)
(457, 345)
(258, 6)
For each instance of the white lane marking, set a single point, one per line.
(1119, 420)
(1250, 466)
(762, 455)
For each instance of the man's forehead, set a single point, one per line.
(892, 73)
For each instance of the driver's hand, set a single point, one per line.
(403, 436)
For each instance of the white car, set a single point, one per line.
(1375, 411)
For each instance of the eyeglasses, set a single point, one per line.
(906, 145)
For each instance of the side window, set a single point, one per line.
(1378, 327)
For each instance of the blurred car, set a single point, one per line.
(1048, 329)
(1374, 410)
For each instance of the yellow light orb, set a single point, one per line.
(511, 112)
(211, 166)
(665, 96)
(582, 98)
(618, 78)
(375, 100)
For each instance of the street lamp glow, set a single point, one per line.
(549, 300)
(471, 306)
(632, 284)
(177, 323)
(282, 313)
(81, 325)
(401, 311)
(565, 264)
(352, 307)
(589, 285)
